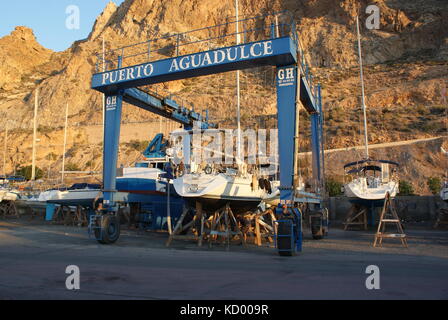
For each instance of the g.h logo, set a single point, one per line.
(111, 103)
(286, 74)
(285, 77)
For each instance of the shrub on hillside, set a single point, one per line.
(434, 184)
(27, 170)
(137, 145)
(406, 188)
(72, 167)
(334, 187)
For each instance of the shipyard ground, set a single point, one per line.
(34, 257)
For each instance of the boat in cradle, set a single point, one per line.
(8, 198)
(243, 192)
(82, 194)
(143, 179)
(444, 192)
(215, 185)
(216, 189)
(151, 177)
(369, 180)
(8, 193)
(146, 184)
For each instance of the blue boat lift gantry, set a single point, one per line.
(268, 40)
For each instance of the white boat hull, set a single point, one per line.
(214, 191)
(444, 194)
(69, 195)
(6, 195)
(358, 188)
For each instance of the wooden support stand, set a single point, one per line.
(66, 216)
(225, 225)
(389, 215)
(222, 225)
(8, 209)
(357, 216)
(181, 231)
(442, 219)
(260, 225)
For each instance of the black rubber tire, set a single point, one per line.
(317, 228)
(284, 243)
(317, 236)
(261, 183)
(208, 169)
(110, 228)
(267, 186)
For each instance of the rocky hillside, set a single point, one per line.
(406, 69)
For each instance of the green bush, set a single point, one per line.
(51, 156)
(434, 184)
(406, 188)
(138, 145)
(26, 172)
(72, 167)
(333, 187)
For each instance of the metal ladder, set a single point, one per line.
(389, 215)
(95, 223)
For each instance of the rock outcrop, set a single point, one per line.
(20, 54)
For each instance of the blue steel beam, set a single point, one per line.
(306, 96)
(114, 105)
(165, 107)
(274, 52)
(286, 117)
(317, 140)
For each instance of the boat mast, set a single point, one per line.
(297, 173)
(33, 166)
(366, 140)
(238, 96)
(5, 149)
(104, 100)
(65, 144)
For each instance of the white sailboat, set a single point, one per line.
(214, 188)
(371, 179)
(444, 190)
(243, 192)
(78, 194)
(9, 194)
(8, 198)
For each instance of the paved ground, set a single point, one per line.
(34, 255)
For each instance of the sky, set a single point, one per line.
(48, 19)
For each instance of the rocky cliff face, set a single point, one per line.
(410, 31)
(21, 56)
(406, 65)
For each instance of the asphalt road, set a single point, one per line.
(34, 257)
